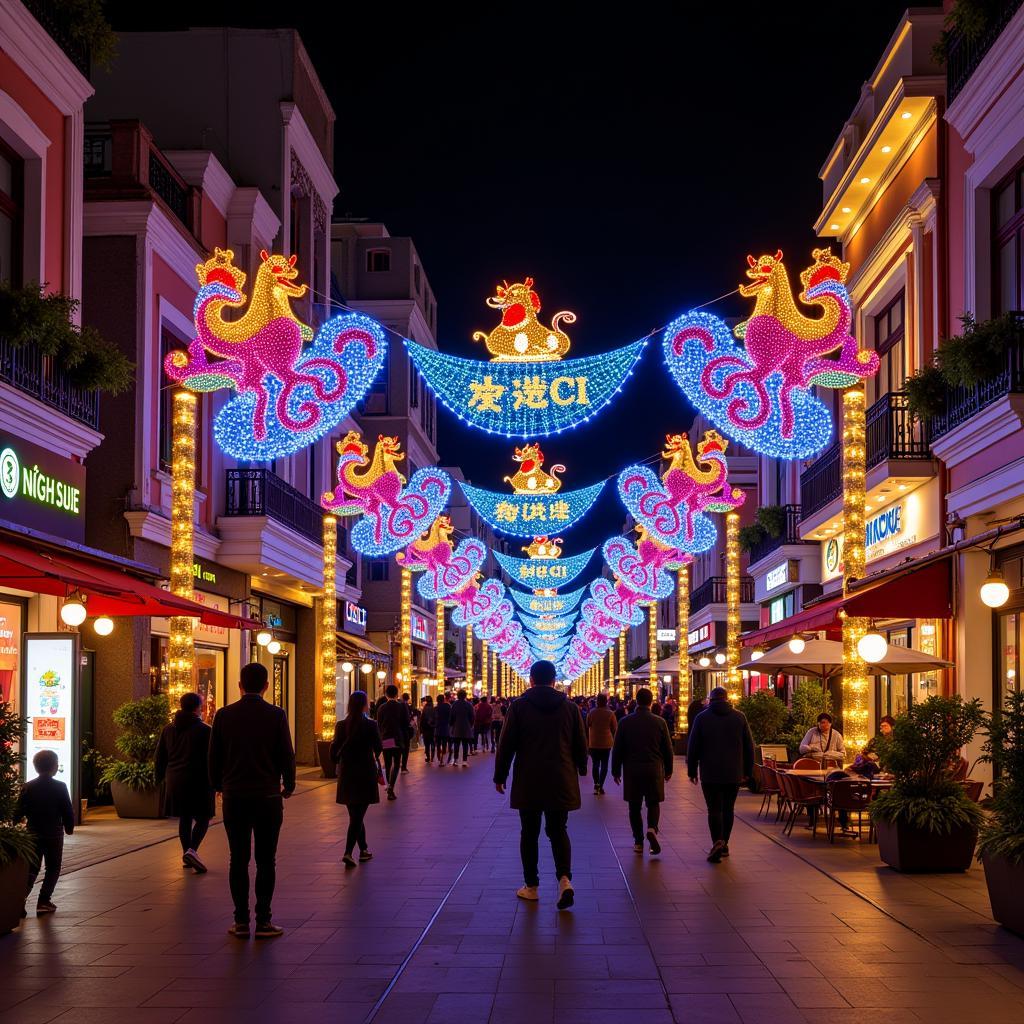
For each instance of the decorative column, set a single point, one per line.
(855, 680)
(623, 669)
(439, 665)
(406, 638)
(485, 675)
(329, 632)
(652, 647)
(610, 669)
(683, 633)
(180, 649)
(732, 605)
(469, 658)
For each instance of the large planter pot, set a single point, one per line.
(323, 755)
(910, 849)
(1005, 882)
(13, 889)
(137, 803)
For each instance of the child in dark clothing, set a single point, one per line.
(47, 806)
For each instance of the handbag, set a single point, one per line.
(381, 781)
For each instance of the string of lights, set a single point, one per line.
(180, 647)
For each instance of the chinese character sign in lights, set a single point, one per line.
(558, 573)
(289, 393)
(672, 509)
(548, 626)
(760, 394)
(393, 512)
(526, 390)
(539, 604)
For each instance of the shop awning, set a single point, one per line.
(361, 646)
(924, 592)
(823, 615)
(109, 590)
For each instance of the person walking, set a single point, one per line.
(413, 717)
(46, 805)
(497, 720)
(601, 724)
(721, 750)
(482, 723)
(695, 707)
(642, 756)
(462, 727)
(355, 749)
(670, 712)
(182, 765)
(428, 722)
(443, 730)
(393, 721)
(252, 763)
(544, 745)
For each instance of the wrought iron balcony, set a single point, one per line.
(259, 492)
(963, 403)
(24, 367)
(822, 481)
(713, 591)
(789, 535)
(963, 55)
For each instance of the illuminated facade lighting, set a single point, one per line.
(683, 630)
(180, 648)
(329, 631)
(734, 681)
(406, 623)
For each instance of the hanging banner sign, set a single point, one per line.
(526, 515)
(538, 604)
(547, 627)
(548, 572)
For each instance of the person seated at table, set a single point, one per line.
(823, 741)
(876, 743)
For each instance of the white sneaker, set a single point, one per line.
(566, 894)
(528, 892)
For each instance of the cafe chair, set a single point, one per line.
(769, 787)
(850, 795)
(802, 795)
(809, 763)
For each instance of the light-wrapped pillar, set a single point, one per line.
(329, 632)
(406, 638)
(734, 681)
(683, 633)
(652, 647)
(180, 648)
(439, 665)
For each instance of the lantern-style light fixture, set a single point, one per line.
(72, 611)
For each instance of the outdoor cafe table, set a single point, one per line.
(819, 775)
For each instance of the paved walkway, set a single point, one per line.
(431, 931)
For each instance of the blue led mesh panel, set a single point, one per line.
(525, 399)
(530, 515)
(536, 604)
(544, 572)
(547, 627)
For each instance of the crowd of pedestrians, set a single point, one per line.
(544, 739)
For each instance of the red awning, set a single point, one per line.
(109, 590)
(823, 615)
(921, 593)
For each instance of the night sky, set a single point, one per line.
(628, 164)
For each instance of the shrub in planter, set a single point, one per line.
(17, 850)
(926, 393)
(977, 354)
(926, 822)
(750, 536)
(1001, 845)
(132, 779)
(766, 716)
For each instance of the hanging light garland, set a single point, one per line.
(180, 647)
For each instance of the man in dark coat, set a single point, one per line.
(252, 763)
(463, 716)
(395, 731)
(543, 734)
(182, 757)
(643, 753)
(721, 748)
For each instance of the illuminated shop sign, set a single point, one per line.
(40, 489)
(699, 636)
(203, 572)
(786, 572)
(355, 618)
(420, 628)
(666, 635)
(51, 692)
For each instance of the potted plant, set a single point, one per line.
(926, 393)
(766, 715)
(17, 850)
(926, 821)
(1001, 845)
(132, 779)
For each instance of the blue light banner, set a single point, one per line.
(544, 572)
(530, 515)
(539, 604)
(547, 627)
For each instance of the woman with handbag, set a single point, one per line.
(356, 749)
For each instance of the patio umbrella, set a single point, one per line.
(902, 661)
(667, 665)
(821, 658)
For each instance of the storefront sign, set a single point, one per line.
(421, 631)
(355, 618)
(40, 489)
(666, 635)
(699, 636)
(51, 691)
(785, 572)
(218, 636)
(201, 571)
(10, 653)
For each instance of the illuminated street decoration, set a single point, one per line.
(760, 395)
(329, 631)
(520, 515)
(544, 547)
(617, 601)
(526, 390)
(539, 604)
(476, 601)
(288, 395)
(392, 514)
(180, 646)
(672, 509)
(550, 626)
(447, 570)
(644, 566)
(544, 572)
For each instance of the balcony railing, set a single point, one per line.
(891, 433)
(713, 591)
(789, 535)
(963, 403)
(56, 20)
(963, 55)
(24, 367)
(259, 492)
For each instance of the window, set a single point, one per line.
(1008, 243)
(416, 276)
(376, 401)
(414, 386)
(889, 334)
(311, 473)
(11, 213)
(168, 343)
(379, 570)
(378, 260)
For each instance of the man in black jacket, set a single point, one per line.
(643, 751)
(544, 735)
(253, 764)
(395, 731)
(721, 747)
